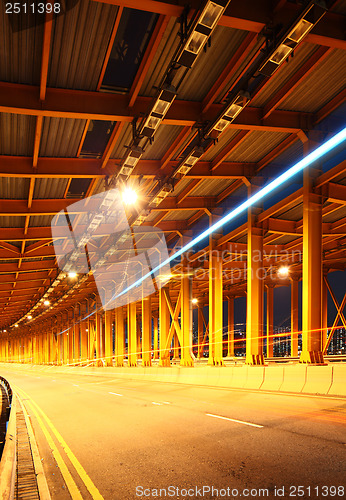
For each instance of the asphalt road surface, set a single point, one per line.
(122, 439)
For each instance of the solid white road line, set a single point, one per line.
(115, 394)
(234, 420)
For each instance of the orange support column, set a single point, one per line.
(156, 337)
(109, 335)
(146, 331)
(164, 328)
(254, 302)
(187, 357)
(119, 337)
(132, 334)
(215, 300)
(312, 271)
(84, 340)
(200, 332)
(324, 313)
(270, 320)
(294, 316)
(230, 315)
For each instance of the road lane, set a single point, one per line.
(126, 441)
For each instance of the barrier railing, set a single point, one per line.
(8, 461)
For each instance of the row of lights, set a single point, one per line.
(283, 272)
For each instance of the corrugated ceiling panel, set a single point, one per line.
(180, 186)
(209, 65)
(79, 43)
(61, 137)
(225, 138)
(180, 214)
(40, 220)
(324, 83)
(256, 145)
(164, 137)
(301, 55)
(211, 187)
(49, 188)
(162, 58)
(295, 213)
(14, 188)
(124, 139)
(336, 215)
(17, 134)
(20, 49)
(17, 221)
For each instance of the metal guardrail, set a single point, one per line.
(8, 463)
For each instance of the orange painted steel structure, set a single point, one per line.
(310, 222)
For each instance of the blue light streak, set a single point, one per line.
(315, 155)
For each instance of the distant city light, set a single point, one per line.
(5, 331)
(46, 302)
(16, 326)
(29, 317)
(283, 271)
(72, 275)
(129, 196)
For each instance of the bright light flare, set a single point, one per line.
(16, 326)
(72, 275)
(129, 196)
(46, 302)
(194, 301)
(283, 271)
(29, 317)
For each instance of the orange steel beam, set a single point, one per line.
(237, 59)
(174, 148)
(11, 248)
(20, 166)
(37, 140)
(47, 34)
(251, 16)
(31, 191)
(227, 150)
(330, 106)
(188, 190)
(148, 57)
(316, 58)
(110, 46)
(86, 127)
(285, 144)
(111, 143)
(67, 187)
(28, 266)
(331, 174)
(80, 104)
(38, 207)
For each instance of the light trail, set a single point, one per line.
(315, 155)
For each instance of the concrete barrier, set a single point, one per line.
(318, 379)
(226, 377)
(338, 386)
(255, 377)
(273, 378)
(294, 378)
(239, 376)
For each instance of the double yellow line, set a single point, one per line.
(45, 423)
